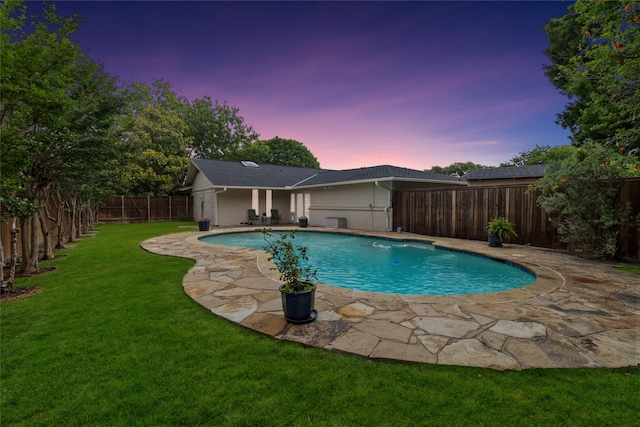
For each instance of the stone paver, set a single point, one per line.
(578, 312)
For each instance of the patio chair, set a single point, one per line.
(253, 217)
(276, 218)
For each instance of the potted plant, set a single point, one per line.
(500, 230)
(298, 290)
(203, 224)
(303, 220)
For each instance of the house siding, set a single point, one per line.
(203, 198)
(229, 207)
(363, 205)
(366, 206)
(237, 202)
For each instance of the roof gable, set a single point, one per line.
(235, 174)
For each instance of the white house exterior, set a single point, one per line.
(225, 191)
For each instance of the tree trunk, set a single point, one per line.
(34, 266)
(65, 226)
(91, 215)
(81, 228)
(8, 284)
(46, 229)
(72, 220)
(24, 243)
(46, 235)
(59, 221)
(60, 237)
(82, 220)
(2, 284)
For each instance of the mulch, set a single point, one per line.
(20, 292)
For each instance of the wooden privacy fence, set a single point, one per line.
(464, 213)
(129, 209)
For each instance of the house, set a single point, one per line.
(505, 175)
(362, 198)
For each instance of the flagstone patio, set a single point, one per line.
(578, 312)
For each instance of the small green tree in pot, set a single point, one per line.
(298, 290)
(500, 230)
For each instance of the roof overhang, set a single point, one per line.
(385, 179)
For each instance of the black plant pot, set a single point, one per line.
(494, 241)
(303, 222)
(203, 225)
(298, 306)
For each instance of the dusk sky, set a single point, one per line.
(410, 84)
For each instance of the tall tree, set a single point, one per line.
(289, 152)
(595, 54)
(99, 100)
(57, 106)
(38, 59)
(215, 130)
(154, 140)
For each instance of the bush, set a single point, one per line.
(580, 194)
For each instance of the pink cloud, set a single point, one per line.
(414, 84)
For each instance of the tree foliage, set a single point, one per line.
(153, 138)
(289, 152)
(72, 135)
(57, 108)
(216, 130)
(580, 194)
(540, 155)
(457, 169)
(276, 151)
(258, 152)
(36, 76)
(595, 54)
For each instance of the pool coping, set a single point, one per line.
(577, 313)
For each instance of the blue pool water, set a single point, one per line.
(391, 266)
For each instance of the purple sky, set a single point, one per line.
(411, 84)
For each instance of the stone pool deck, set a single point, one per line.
(578, 313)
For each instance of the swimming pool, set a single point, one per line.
(394, 266)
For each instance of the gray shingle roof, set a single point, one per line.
(533, 171)
(378, 172)
(234, 174)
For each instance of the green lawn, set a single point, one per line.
(112, 340)
(634, 270)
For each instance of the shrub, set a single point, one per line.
(581, 196)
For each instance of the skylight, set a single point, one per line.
(249, 164)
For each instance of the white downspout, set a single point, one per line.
(215, 195)
(386, 208)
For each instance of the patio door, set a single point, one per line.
(300, 203)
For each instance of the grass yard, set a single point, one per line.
(112, 340)
(634, 270)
